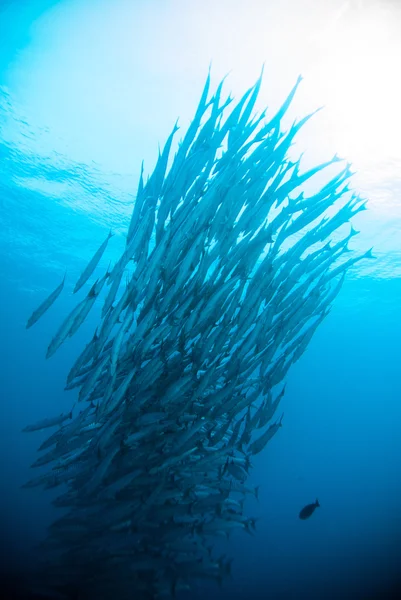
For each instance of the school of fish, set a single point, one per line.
(226, 274)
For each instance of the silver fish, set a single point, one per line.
(92, 264)
(46, 304)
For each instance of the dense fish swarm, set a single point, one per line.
(224, 279)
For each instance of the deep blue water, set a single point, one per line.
(340, 440)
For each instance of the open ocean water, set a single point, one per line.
(70, 155)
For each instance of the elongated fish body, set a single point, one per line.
(258, 445)
(73, 321)
(92, 264)
(40, 311)
(52, 422)
(90, 300)
(64, 329)
(308, 510)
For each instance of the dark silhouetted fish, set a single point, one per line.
(308, 510)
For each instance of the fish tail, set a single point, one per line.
(257, 492)
(70, 414)
(369, 254)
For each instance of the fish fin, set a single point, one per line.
(317, 503)
(257, 492)
(248, 527)
(92, 291)
(369, 254)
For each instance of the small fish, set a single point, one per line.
(308, 510)
(52, 422)
(91, 266)
(46, 304)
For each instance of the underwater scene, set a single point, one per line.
(200, 257)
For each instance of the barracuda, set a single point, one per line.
(229, 272)
(46, 304)
(91, 266)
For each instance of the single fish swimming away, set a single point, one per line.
(92, 264)
(231, 272)
(308, 510)
(46, 304)
(45, 423)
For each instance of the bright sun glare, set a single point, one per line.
(358, 77)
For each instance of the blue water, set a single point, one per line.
(340, 441)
